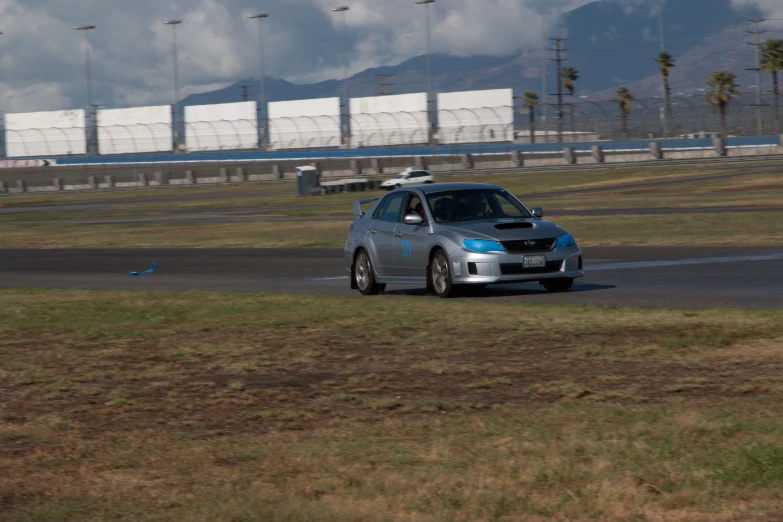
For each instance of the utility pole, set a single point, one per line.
(757, 45)
(544, 88)
(559, 61)
(382, 83)
(244, 94)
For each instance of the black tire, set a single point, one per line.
(439, 275)
(397, 186)
(363, 275)
(557, 286)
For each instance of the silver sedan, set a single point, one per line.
(452, 235)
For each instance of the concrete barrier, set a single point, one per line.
(277, 171)
(598, 153)
(241, 174)
(569, 156)
(377, 165)
(142, 179)
(109, 180)
(21, 185)
(356, 167)
(656, 152)
(57, 183)
(162, 178)
(719, 144)
(420, 162)
(190, 177)
(3, 187)
(92, 181)
(516, 159)
(223, 174)
(467, 161)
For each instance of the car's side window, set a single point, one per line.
(415, 206)
(390, 207)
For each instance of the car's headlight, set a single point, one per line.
(483, 245)
(566, 241)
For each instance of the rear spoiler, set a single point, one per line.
(357, 206)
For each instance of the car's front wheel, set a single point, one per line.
(440, 275)
(364, 277)
(558, 285)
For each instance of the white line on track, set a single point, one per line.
(772, 256)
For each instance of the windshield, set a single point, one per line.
(469, 205)
(399, 176)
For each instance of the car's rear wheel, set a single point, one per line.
(364, 277)
(440, 275)
(558, 285)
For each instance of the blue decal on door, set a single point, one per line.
(406, 248)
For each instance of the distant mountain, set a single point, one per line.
(607, 42)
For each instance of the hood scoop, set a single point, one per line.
(514, 226)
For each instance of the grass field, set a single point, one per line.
(737, 229)
(41, 230)
(156, 406)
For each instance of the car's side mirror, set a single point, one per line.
(413, 219)
(537, 212)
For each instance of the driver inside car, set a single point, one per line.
(473, 207)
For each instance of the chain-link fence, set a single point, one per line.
(688, 117)
(386, 143)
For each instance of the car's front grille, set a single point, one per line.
(529, 245)
(519, 269)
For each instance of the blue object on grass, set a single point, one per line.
(151, 270)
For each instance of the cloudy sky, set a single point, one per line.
(42, 63)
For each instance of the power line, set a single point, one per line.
(382, 83)
(244, 94)
(558, 59)
(757, 46)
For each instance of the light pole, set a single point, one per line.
(86, 30)
(262, 130)
(430, 94)
(175, 108)
(342, 10)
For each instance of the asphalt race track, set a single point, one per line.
(672, 277)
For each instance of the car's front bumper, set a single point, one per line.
(474, 268)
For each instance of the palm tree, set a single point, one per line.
(624, 99)
(531, 101)
(772, 61)
(723, 87)
(570, 75)
(665, 63)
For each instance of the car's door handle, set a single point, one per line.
(372, 231)
(398, 234)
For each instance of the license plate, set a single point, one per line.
(533, 262)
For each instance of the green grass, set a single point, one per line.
(751, 228)
(731, 229)
(202, 406)
(151, 193)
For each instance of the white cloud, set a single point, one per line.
(42, 64)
